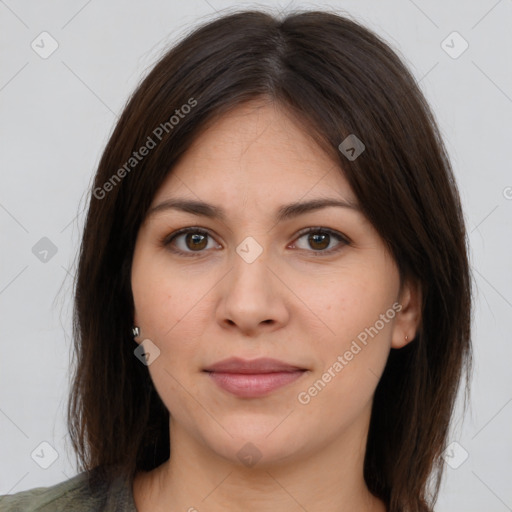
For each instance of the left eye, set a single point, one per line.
(319, 239)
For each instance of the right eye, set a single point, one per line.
(188, 241)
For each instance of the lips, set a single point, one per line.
(261, 365)
(253, 378)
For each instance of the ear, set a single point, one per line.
(409, 317)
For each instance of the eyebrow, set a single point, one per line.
(285, 212)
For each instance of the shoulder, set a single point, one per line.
(86, 492)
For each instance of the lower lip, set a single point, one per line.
(254, 385)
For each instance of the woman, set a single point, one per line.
(272, 307)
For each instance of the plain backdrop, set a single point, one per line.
(57, 112)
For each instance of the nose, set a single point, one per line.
(253, 298)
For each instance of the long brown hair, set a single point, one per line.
(337, 78)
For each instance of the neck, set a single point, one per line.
(330, 479)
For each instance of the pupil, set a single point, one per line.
(315, 240)
(196, 240)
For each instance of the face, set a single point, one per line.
(254, 284)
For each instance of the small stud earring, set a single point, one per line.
(135, 331)
(406, 338)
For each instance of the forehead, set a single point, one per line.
(256, 150)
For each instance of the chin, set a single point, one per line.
(257, 446)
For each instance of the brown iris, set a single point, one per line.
(316, 239)
(199, 241)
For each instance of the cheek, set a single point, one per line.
(165, 299)
(354, 338)
(351, 302)
(346, 379)
(169, 309)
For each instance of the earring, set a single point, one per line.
(406, 338)
(135, 331)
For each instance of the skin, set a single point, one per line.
(294, 303)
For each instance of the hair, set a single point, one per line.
(336, 78)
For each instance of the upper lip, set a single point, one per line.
(260, 365)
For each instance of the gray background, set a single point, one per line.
(56, 115)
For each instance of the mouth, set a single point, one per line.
(253, 378)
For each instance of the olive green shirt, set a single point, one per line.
(81, 493)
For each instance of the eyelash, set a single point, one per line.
(168, 239)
